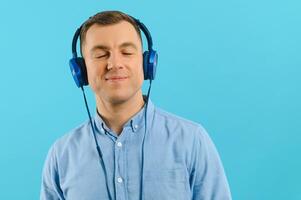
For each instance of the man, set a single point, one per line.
(144, 152)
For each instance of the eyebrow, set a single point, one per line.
(128, 44)
(104, 47)
(100, 47)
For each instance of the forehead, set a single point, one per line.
(111, 35)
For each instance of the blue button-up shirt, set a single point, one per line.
(180, 162)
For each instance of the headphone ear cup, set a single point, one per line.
(82, 64)
(79, 71)
(150, 59)
(152, 64)
(145, 65)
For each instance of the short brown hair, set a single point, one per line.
(107, 18)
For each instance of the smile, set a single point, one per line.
(116, 79)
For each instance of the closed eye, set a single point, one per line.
(127, 53)
(100, 55)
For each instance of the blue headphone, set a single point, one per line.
(78, 66)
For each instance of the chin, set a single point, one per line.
(118, 99)
(119, 96)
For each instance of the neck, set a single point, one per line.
(115, 115)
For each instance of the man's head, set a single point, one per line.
(112, 48)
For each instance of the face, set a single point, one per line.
(113, 56)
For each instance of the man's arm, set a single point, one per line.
(50, 189)
(208, 180)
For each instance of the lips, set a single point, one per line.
(116, 78)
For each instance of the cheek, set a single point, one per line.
(140, 75)
(95, 72)
(140, 69)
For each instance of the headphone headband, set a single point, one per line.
(146, 33)
(74, 42)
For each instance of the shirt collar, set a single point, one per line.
(136, 122)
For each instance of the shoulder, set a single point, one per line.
(179, 125)
(171, 117)
(178, 121)
(71, 139)
(64, 151)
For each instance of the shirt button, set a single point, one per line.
(102, 130)
(119, 144)
(119, 180)
(136, 126)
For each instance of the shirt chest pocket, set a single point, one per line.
(166, 184)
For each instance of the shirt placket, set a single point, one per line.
(120, 183)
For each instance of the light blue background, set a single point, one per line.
(233, 66)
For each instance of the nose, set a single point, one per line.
(114, 62)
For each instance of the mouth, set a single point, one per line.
(116, 78)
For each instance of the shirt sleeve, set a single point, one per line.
(207, 179)
(50, 187)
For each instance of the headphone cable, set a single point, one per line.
(97, 145)
(143, 141)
